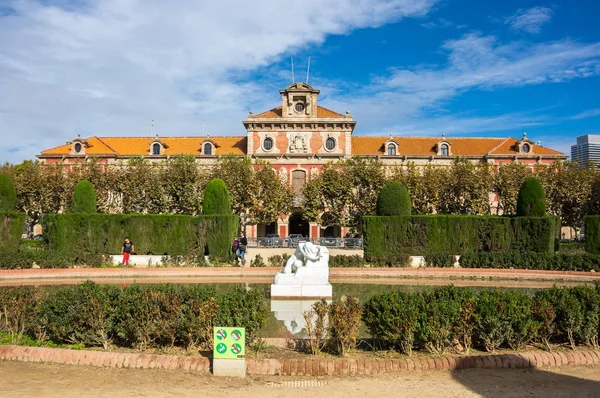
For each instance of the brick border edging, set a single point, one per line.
(299, 367)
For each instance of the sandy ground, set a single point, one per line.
(47, 380)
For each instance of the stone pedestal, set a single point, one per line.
(229, 367)
(305, 291)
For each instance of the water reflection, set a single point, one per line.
(291, 314)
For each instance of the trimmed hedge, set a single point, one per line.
(592, 234)
(393, 200)
(459, 318)
(389, 238)
(11, 229)
(529, 260)
(216, 198)
(77, 236)
(149, 316)
(8, 194)
(531, 201)
(84, 198)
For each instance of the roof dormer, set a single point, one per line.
(443, 147)
(525, 146)
(157, 147)
(208, 147)
(78, 145)
(391, 147)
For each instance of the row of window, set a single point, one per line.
(444, 150)
(207, 149)
(268, 144)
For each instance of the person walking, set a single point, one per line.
(126, 251)
(242, 248)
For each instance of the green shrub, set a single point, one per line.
(568, 310)
(19, 310)
(8, 195)
(491, 325)
(589, 299)
(316, 326)
(244, 308)
(82, 314)
(439, 320)
(344, 323)
(344, 261)
(84, 198)
(389, 238)
(440, 260)
(544, 314)
(393, 200)
(592, 234)
(216, 198)
(279, 261)
(259, 262)
(160, 316)
(571, 247)
(82, 238)
(392, 317)
(531, 201)
(11, 229)
(529, 260)
(523, 327)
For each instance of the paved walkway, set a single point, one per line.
(250, 275)
(49, 380)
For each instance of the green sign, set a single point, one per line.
(229, 343)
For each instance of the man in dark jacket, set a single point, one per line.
(242, 248)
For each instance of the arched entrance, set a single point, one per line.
(298, 225)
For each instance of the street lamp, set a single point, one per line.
(469, 210)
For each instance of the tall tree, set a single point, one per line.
(568, 191)
(183, 185)
(507, 182)
(365, 177)
(326, 198)
(466, 188)
(273, 197)
(238, 174)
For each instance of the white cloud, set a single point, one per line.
(530, 20)
(587, 114)
(108, 67)
(412, 100)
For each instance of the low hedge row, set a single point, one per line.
(134, 316)
(388, 238)
(81, 237)
(529, 260)
(460, 318)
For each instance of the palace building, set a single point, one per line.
(298, 138)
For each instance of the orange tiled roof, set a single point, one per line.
(138, 146)
(509, 146)
(426, 146)
(321, 112)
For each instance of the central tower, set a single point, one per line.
(299, 100)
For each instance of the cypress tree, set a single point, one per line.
(531, 201)
(393, 200)
(216, 198)
(8, 195)
(84, 198)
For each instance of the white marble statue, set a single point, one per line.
(306, 273)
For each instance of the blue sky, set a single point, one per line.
(406, 67)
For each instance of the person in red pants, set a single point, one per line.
(126, 251)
